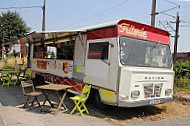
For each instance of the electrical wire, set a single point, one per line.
(23, 7)
(98, 13)
(184, 25)
(171, 2)
(169, 15)
(169, 9)
(185, 7)
(143, 17)
(185, 22)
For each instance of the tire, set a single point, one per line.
(97, 101)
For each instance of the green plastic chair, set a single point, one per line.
(80, 101)
(5, 78)
(26, 76)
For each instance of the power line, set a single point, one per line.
(184, 25)
(163, 12)
(187, 18)
(171, 2)
(169, 9)
(185, 22)
(98, 13)
(22, 7)
(185, 7)
(143, 17)
(169, 15)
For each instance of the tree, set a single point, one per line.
(12, 26)
(52, 54)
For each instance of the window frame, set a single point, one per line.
(100, 42)
(56, 55)
(171, 64)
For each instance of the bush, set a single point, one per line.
(182, 69)
(182, 76)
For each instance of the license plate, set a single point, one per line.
(151, 102)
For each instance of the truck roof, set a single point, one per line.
(38, 36)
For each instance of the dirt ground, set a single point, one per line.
(174, 113)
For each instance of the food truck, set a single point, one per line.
(127, 63)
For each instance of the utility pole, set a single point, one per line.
(44, 15)
(176, 38)
(153, 14)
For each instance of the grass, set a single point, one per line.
(10, 63)
(182, 85)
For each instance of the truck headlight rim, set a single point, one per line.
(135, 94)
(168, 92)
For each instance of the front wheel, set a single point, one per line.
(97, 101)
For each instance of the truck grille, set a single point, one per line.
(152, 90)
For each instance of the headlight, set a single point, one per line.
(135, 94)
(168, 92)
(124, 97)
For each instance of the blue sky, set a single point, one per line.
(63, 14)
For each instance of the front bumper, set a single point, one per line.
(144, 102)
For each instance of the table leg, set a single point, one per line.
(18, 80)
(47, 98)
(10, 79)
(61, 102)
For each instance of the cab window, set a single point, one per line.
(98, 50)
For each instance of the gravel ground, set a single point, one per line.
(177, 121)
(13, 113)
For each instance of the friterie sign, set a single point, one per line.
(142, 31)
(130, 30)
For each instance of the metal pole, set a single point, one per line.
(153, 14)
(176, 38)
(44, 15)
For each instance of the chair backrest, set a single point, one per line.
(86, 91)
(23, 72)
(27, 84)
(28, 73)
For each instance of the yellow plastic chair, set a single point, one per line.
(80, 100)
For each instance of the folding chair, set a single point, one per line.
(80, 100)
(33, 93)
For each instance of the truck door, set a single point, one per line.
(100, 68)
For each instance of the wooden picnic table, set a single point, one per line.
(54, 87)
(16, 73)
(6, 69)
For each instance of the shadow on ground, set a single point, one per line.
(125, 113)
(12, 96)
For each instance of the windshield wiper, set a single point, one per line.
(155, 46)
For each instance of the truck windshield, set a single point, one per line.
(136, 52)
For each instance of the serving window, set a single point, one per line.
(55, 50)
(65, 50)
